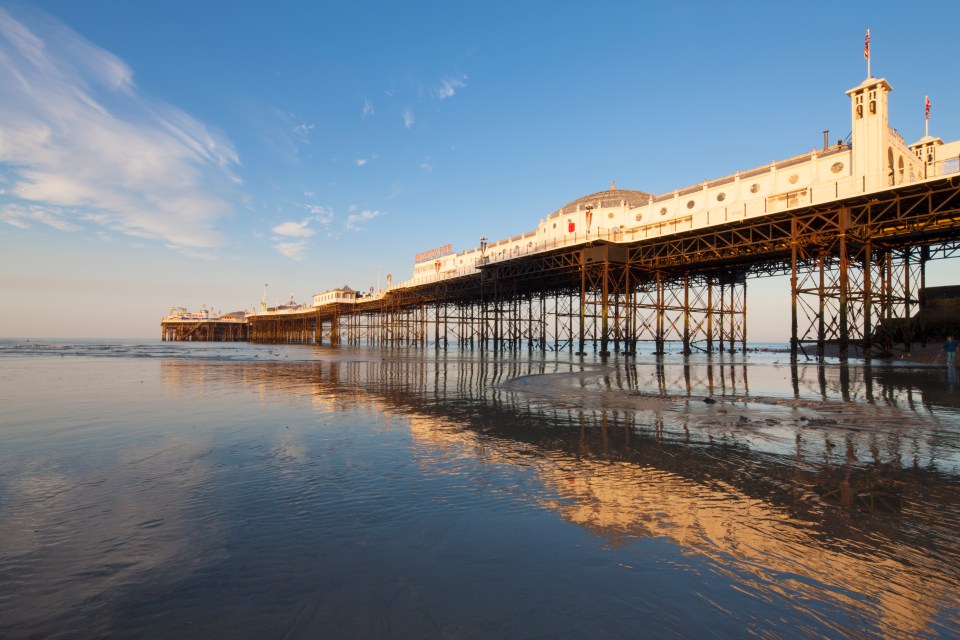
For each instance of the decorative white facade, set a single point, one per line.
(342, 295)
(876, 159)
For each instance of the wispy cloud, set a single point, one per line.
(448, 87)
(83, 146)
(367, 110)
(408, 119)
(286, 135)
(290, 237)
(293, 249)
(355, 220)
(362, 161)
(295, 229)
(302, 132)
(426, 166)
(323, 215)
(22, 215)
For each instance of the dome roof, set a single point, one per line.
(613, 197)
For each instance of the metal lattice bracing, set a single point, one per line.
(856, 266)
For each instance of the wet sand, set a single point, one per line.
(260, 491)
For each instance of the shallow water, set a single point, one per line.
(194, 490)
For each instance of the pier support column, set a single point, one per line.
(659, 336)
(844, 293)
(583, 310)
(868, 299)
(686, 314)
(605, 310)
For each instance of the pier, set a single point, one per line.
(182, 326)
(853, 224)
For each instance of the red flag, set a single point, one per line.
(928, 108)
(866, 46)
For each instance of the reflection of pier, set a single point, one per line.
(814, 413)
(742, 494)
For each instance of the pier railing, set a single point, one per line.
(510, 249)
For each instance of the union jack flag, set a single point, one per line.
(928, 108)
(866, 46)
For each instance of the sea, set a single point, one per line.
(228, 490)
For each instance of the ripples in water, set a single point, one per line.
(261, 491)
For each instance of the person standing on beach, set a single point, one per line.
(950, 348)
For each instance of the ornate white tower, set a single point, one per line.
(869, 113)
(879, 155)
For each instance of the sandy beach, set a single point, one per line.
(205, 490)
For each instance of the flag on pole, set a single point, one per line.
(866, 46)
(927, 115)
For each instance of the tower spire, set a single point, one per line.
(866, 51)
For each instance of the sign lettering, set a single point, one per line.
(433, 254)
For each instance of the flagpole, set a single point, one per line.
(866, 52)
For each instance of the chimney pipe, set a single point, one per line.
(826, 139)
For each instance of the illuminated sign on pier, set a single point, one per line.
(433, 254)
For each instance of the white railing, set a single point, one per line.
(776, 203)
(657, 226)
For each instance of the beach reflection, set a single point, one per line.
(818, 485)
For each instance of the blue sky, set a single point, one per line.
(187, 153)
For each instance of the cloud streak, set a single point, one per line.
(83, 147)
(21, 216)
(292, 249)
(290, 237)
(449, 86)
(295, 229)
(355, 220)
